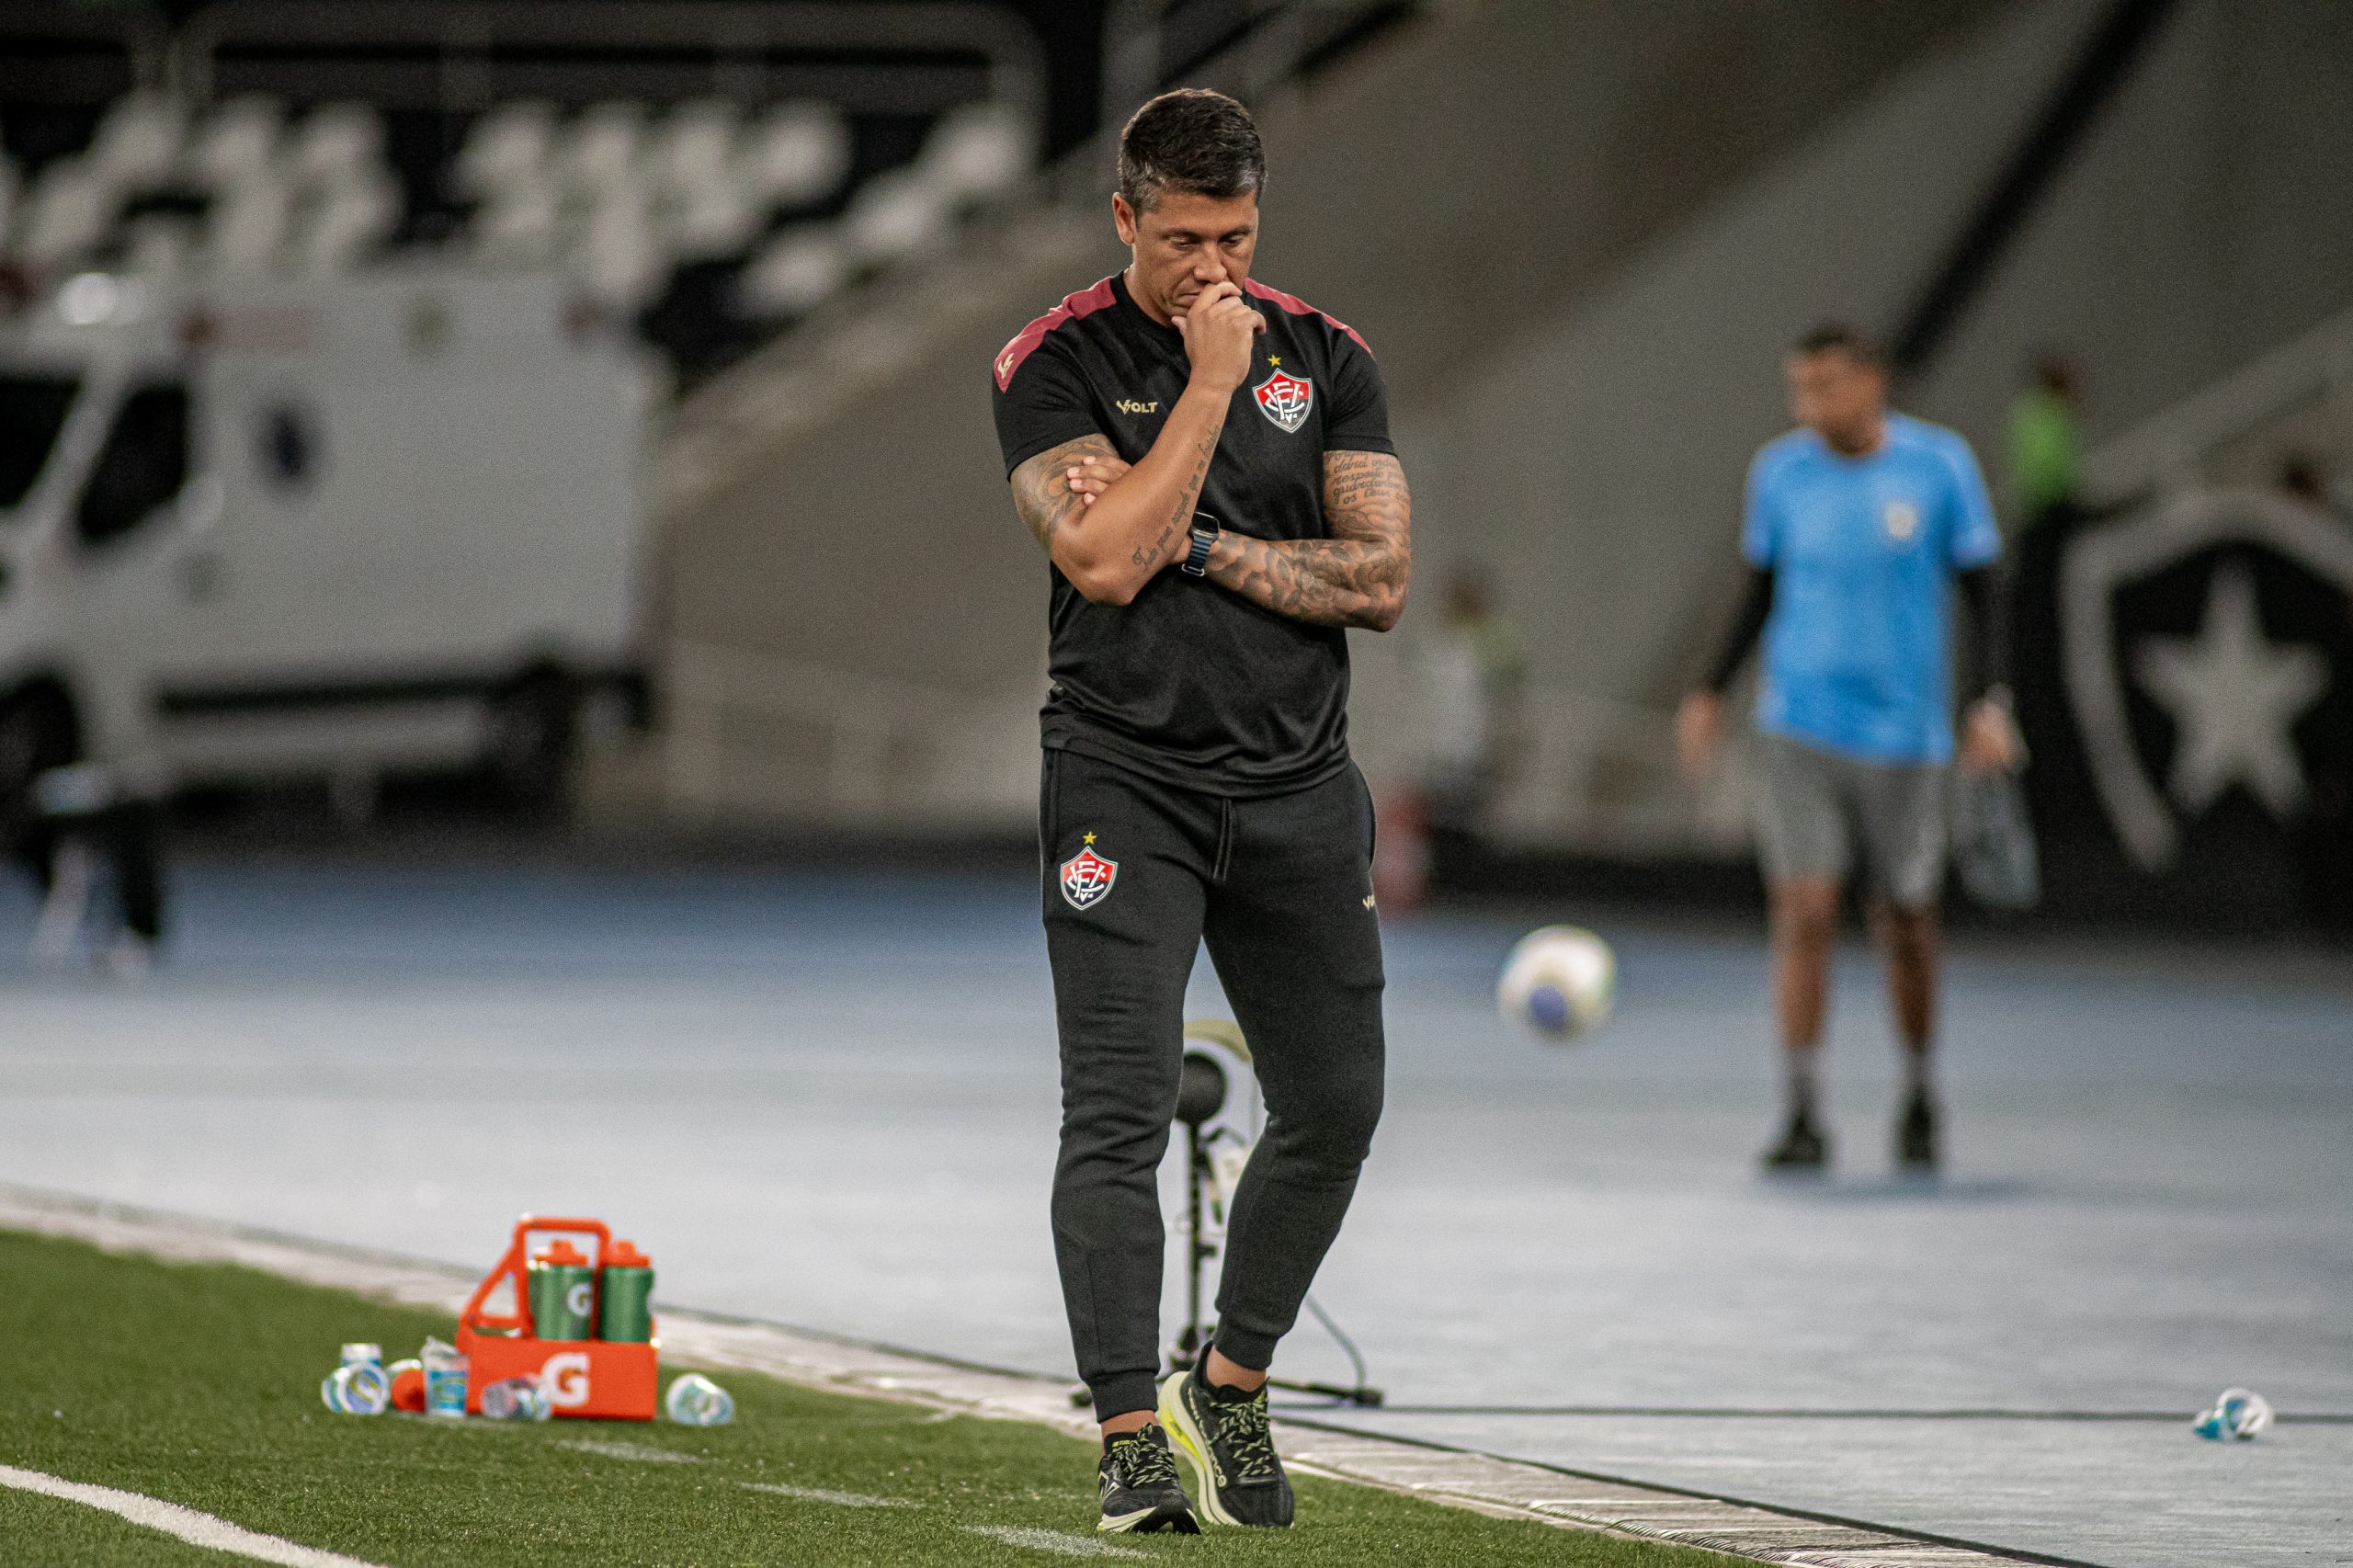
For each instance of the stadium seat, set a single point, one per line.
(347, 222)
(900, 213)
(508, 148)
(796, 273)
(159, 245)
(706, 221)
(602, 148)
(518, 225)
(337, 142)
(245, 228)
(621, 260)
(139, 141)
(979, 150)
(796, 156)
(692, 148)
(68, 214)
(237, 142)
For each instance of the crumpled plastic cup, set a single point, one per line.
(356, 1388)
(2240, 1413)
(695, 1401)
(516, 1399)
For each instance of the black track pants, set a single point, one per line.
(1281, 888)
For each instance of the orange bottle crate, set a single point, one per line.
(590, 1378)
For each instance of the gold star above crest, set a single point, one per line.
(1090, 838)
(1275, 359)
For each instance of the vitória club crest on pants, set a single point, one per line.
(1086, 877)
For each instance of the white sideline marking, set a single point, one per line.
(820, 1495)
(1052, 1540)
(196, 1528)
(643, 1453)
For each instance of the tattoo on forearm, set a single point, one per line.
(1041, 492)
(1180, 521)
(1357, 576)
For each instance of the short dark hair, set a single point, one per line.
(1193, 142)
(1837, 336)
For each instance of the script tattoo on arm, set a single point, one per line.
(1041, 492)
(1175, 535)
(1358, 576)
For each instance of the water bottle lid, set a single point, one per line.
(560, 1251)
(624, 1255)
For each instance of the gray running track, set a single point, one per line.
(831, 1101)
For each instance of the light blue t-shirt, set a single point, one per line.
(1858, 646)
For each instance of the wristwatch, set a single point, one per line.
(1197, 560)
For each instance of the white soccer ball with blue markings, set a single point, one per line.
(1558, 984)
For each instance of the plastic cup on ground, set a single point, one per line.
(2239, 1412)
(445, 1380)
(516, 1399)
(695, 1401)
(356, 1388)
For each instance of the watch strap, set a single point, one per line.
(1197, 560)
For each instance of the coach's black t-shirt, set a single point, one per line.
(1189, 683)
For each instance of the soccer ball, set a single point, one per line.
(1558, 983)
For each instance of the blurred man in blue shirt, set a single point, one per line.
(1856, 523)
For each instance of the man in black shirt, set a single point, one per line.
(1206, 462)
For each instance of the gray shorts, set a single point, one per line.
(1815, 807)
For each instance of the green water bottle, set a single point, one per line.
(564, 1293)
(625, 1295)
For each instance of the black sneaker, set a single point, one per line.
(1141, 1491)
(1223, 1435)
(1803, 1148)
(1917, 1144)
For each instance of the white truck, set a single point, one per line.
(338, 529)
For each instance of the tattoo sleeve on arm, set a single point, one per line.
(1041, 492)
(1357, 576)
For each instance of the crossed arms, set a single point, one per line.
(1111, 527)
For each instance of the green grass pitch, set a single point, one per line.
(199, 1384)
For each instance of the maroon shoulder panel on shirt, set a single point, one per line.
(1294, 305)
(1025, 342)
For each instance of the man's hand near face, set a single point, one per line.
(1219, 328)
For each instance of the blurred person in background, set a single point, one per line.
(1206, 462)
(1474, 674)
(2046, 445)
(1857, 524)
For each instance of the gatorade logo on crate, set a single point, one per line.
(565, 1377)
